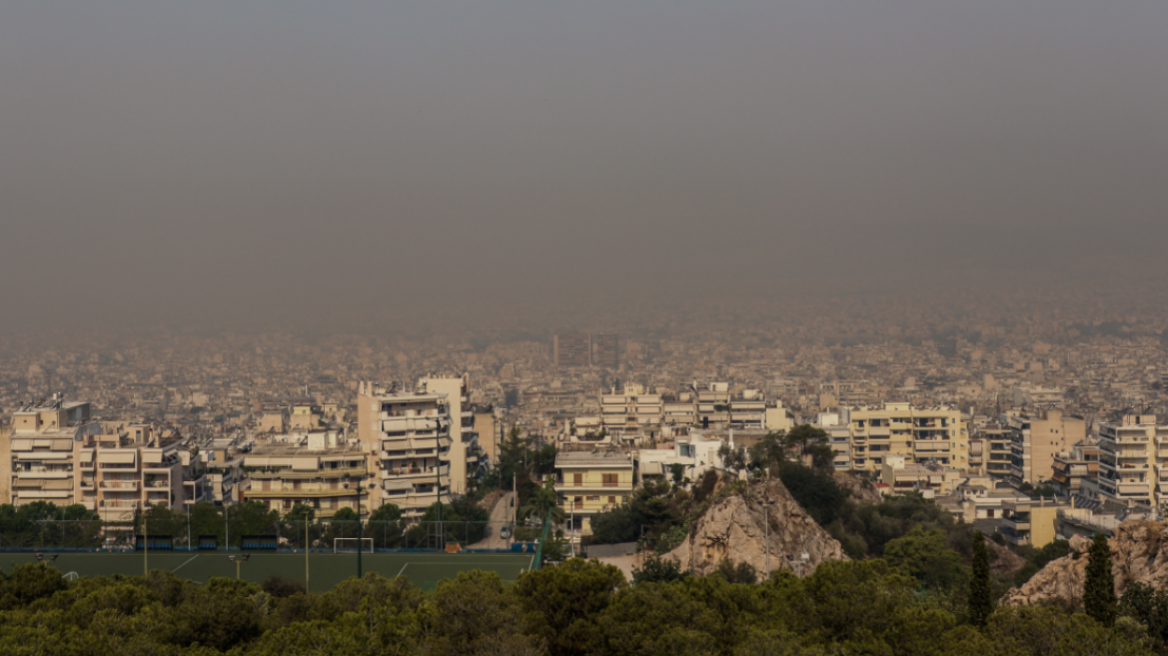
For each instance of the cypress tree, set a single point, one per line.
(981, 602)
(1099, 587)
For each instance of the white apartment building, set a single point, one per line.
(632, 410)
(712, 405)
(464, 454)
(318, 468)
(407, 437)
(1133, 460)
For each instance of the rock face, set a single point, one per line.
(734, 528)
(861, 490)
(1139, 552)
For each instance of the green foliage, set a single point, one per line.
(544, 501)
(981, 602)
(1099, 586)
(579, 608)
(924, 555)
(731, 572)
(386, 513)
(1149, 607)
(656, 507)
(815, 491)
(562, 603)
(659, 570)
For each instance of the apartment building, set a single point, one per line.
(748, 410)
(320, 468)
(465, 455)
(572, 349)
(1036, 438)
(130, 468)
(632, 409)
(590, 482)
(920, 435)
(898, 476)
(407, 435)
(1030, 522)
(997, 451)
(606, 350)
(1072, 467)
(712, 405)
(39, 456)
(1133, 460)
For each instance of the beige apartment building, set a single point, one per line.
(407, 435)
(318, 468)
(591, 482)
(919, 435)
(55, 453)
(631, 409)
(464, 456)
(1037, 438)
(1133, 460)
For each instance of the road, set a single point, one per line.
(502, 512)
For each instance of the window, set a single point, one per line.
(610, 480)
(612, 500)
(578, 480)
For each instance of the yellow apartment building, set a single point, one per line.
(919, 435)
(590, 482)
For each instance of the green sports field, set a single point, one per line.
(325, 569)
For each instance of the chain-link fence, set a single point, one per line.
(194, 530)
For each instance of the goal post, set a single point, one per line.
(349, 545)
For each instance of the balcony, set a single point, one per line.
(1017, 522)
(119, 485)
(409, 473)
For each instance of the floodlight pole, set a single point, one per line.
(306, 552)
(145, 548)
(438, 478)
(360, 526)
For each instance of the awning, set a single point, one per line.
(152, 457)
(62, 445)
(305, 464)
(42, 455)
(21, 445)
(398, 485)
(116, 458)
(655, 468)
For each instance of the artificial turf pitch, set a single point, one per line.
(325, 569)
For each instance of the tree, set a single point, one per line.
(981, 602)
(659, 570)
(925, 556)
(345, 515)
(299, 513)
(562, 603)
(1099, 586)
(545, 500)
(388, 512)
(733, 572)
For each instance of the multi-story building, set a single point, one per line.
(997, 451)
(1036, 438)
(465, 454)
(919, 435)
(319, 468)
(407, 436)
(1133, 460)
(606, 350)
(1030, 522)
(712, 405)
(590, 482)
(631, 410)
(131, 468)
(748, 410)
(1073, 467)
(572, 349)
(39, 457)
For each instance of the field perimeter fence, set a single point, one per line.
(191, 533)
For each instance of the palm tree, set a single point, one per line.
(544, 500)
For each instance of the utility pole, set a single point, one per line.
(306, 545)
(438, 478)
(145, 547)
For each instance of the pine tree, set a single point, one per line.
(981, 602)
(1099, 588)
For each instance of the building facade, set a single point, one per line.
(919, 435)
(590, 482)
(407, 436)
(1036, 438)
(1133, 460)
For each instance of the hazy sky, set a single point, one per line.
(220, 160)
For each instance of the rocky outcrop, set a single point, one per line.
(1139, 552)
(734, 527)
(861, 491)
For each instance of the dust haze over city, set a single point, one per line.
(627, 227)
